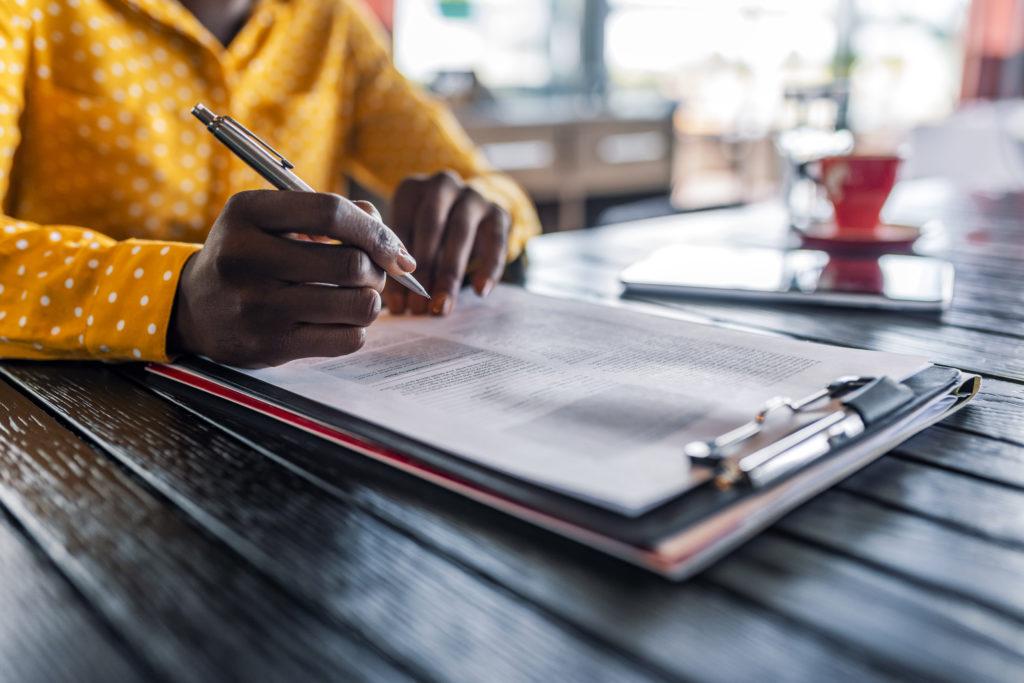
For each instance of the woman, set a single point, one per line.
(129, 233)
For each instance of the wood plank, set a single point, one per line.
(913, 547)
(995, 413)
(533, 572)
(693, 629)
(668, 625)
(972, 222)
(898, 575)
(955, 564)
(991, 459)
(189, 608)
(912, 631)
(985, 289)
(529, 576)
(48, 633)
(417, 521)
(978, 319)
(407, 601)
(982, 332)
(980, 507)
(982, 299)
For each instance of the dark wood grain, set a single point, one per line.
(974, 225)
(187, 607)
(933, 530)
(47, 632)
(532, 564)
(522, 567)
(996, 413)
(530, 577)
(620, 605)
(985, 509)
(451, 531)
(409, 603)
(526, 570)
(934, 555)
(877, 613)
(992, 459)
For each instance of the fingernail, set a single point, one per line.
(441, 304)
(487, 287)
(368, 208)
(405, 261)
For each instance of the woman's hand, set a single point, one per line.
(452, 231)
(248, 298)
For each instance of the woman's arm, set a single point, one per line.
(67, 291)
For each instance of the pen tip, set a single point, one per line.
(203, 114)
(413, 285)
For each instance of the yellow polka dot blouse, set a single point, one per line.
(108, 184)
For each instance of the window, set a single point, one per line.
(729, 62)
(906, 61)
(508, 44)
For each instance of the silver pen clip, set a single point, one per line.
(213, 123)
(242, 130)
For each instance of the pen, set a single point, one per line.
(266, 161)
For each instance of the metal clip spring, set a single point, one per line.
(713, 449)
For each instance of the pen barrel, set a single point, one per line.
(266, 166)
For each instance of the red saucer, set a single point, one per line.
(886, 237)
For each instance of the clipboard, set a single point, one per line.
(737, 497)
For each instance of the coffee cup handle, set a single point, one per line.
(811, 170)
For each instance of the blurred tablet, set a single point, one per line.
(890, 281)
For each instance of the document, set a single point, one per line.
(595, 402)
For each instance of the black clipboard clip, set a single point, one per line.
(860, 401)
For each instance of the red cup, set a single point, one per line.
(858, 186)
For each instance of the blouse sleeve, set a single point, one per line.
(68, 291)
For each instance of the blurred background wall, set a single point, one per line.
(596, 106)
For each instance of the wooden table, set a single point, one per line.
(147, 539)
